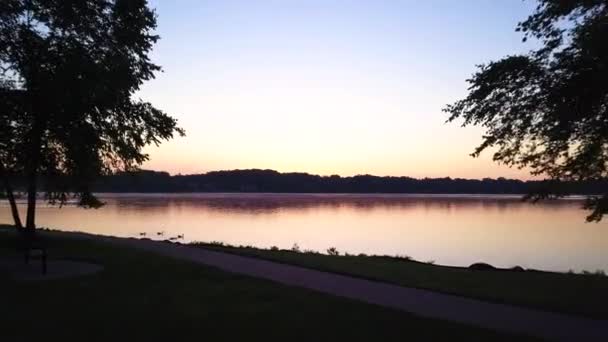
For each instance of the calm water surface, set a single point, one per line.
(451, 230)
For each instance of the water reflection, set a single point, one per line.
(456, 230)
(270, 203)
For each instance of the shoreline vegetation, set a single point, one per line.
(160, 298)
(334, 252)
(580, 294)
(270, 181)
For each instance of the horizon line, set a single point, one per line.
(330, 175)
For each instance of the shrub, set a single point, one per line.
(295, 248)
(333, 251)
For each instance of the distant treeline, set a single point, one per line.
(273, 181)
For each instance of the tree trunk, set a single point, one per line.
(34, 143)
(32, 174)
(30, 221)
(11, 197)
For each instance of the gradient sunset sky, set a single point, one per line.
(326, 86)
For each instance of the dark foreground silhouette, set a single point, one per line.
(498, 317)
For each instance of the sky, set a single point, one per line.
(326, 86)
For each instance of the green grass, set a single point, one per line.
(145, 297)
(584, 295)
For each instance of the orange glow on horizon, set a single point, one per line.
(165, 158)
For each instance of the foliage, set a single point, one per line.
(548, 110)
(333, 251)
(69, 73)
(273, 181)
(295, 248)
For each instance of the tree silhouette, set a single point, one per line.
(548, 110)
(256, 180)
(69, 73)
(11, 131)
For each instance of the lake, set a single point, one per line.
(447, 229)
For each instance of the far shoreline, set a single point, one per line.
(339, 194)
(321, 195)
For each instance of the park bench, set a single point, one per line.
(32, 246)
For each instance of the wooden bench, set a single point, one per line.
(32, 246)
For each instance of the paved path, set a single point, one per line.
(499, 317)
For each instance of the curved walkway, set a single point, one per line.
(499, 317)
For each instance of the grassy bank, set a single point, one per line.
(578, 294)
(146, 297)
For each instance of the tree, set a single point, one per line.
(11, 128)
(70, 70)
(548, 110)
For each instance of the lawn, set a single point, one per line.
(584, 295)
(145, 297)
